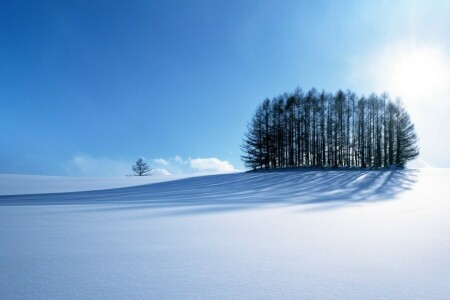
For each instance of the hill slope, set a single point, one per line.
(16, 184)
(312, 234)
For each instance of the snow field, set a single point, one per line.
(312, 234)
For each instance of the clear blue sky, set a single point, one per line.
(110, 81)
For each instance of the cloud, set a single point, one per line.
(178, 159)
(160, 171)
(161, 161)
(179, 165)
(212, 165)
(86, 165)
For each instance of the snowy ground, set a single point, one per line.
(14, 184)
(333, 234)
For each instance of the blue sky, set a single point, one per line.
(86, 87)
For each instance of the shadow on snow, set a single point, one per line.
(218, 193)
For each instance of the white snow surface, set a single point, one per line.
(16, 184)
(278, 235)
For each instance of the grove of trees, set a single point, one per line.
(320, 129)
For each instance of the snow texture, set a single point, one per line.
(278, 235)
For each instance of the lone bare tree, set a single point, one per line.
(141, 168)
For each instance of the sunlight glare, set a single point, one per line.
(417, 74)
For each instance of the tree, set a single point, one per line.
(407, 148)
(336, 130)
(253, 144)
(141, 168)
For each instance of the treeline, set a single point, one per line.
(320, 129)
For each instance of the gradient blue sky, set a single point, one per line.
(86, 87)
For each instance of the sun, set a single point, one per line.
(415, 73)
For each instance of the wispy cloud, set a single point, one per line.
(213, 165)
(161, 161)
(201, 165)
(87, 165)
(178, 159)
(160, 171)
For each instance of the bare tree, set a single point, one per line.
(406, 143)
(141, 168)
(322, 129)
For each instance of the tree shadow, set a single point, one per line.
(220, 193)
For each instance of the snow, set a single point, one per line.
(13, 184)
(279, 235)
